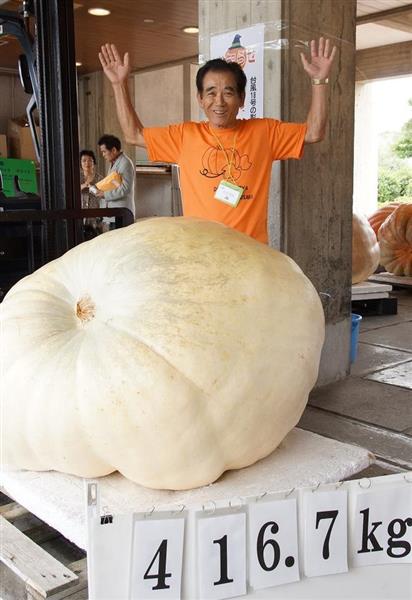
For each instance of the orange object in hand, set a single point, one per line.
(109, 183)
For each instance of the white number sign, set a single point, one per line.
(273, 543)
(221, 544)
(157, 558)
(382, 526)
(325, 517)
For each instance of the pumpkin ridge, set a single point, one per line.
(157, 353)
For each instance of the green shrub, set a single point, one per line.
(393, 184)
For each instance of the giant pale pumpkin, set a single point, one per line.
(171, 350)
(365, 249)
(395, 241)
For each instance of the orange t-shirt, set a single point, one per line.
(203, 165)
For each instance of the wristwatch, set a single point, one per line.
(320, 81)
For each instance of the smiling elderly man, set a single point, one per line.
(225, 162)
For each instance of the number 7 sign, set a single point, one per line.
(325, 518)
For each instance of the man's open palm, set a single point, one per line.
(321, 59)
(115, 69)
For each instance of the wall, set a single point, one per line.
(365, 173)
(161, 95)
(97, 114)
(165, 95)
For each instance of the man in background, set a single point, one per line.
(123, 195)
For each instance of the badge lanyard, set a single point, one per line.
(229, 162)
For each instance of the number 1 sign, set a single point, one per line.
(221, 556)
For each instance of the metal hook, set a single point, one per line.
(179, 510)
(408, 477)
(289, 492)
(205, 510)
(149, 512)
(365, 483)
(316, 488)
(236, 506)
(338, 485)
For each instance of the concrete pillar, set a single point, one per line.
(317, 191)
(310, 201)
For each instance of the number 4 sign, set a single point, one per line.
(157, 558)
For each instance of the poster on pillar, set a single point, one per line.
(244, 46)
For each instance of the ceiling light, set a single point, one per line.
(78, 64)
(191, 29)
(98, 12)
(148, 21)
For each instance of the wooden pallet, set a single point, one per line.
(29, 569)
(375, 307)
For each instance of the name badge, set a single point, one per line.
(229, 193)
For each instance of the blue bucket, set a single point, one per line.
(356, 319)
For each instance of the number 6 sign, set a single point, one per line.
(273, 543)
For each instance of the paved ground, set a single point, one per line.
(373, 406)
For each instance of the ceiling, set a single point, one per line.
(392, 22)
(148, 44)
(163, 41)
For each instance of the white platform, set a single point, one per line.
(389, 278)
(303, 459)
(367, 290)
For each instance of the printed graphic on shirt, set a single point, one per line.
(215, 163)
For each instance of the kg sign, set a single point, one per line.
(244, 46)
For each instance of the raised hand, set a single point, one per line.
(115, 69)
(321, 59)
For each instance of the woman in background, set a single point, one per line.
(88, 177)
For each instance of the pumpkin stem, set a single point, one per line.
(85, 309)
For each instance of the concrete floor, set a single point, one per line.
(373, 406)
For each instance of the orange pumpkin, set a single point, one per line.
(365, 249)
(395, 241)
(379, 216)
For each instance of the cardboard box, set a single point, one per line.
(20, 140)
(3, 146)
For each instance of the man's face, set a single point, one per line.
(109, 155)
(220, 99)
